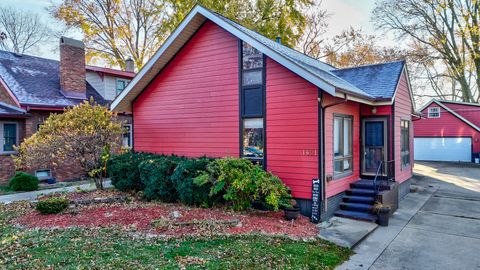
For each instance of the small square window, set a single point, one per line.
(120, 85)
(43, 174)
(434, 112)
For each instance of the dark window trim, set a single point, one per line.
(241, 88)
(402, 153)
(349, 172)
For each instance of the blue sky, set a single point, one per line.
(344, 13)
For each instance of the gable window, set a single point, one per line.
(405, 142)
(434, 112)
(252, 103)
(9, 137)
(121, 84)
(127, 136)
(342, 145)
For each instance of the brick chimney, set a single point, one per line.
(129, 65)
(72, 68)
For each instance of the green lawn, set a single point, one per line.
(113, 249)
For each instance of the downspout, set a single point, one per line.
(321, 146)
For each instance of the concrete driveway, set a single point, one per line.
(435, 228)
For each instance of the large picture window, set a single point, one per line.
(252, 87)
(342, 145)
(405, 142)
(9, 137)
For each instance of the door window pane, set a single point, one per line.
(336, 136)
(253, 141)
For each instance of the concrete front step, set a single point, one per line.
(360, 207)
(356, 215)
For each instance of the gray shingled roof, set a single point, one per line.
(319, 68)
(6, 109)
(36, 81)
(379, 81)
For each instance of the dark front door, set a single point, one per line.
(374, 144)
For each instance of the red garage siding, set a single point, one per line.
(349, 108)
(403, 111)
(469, 112)
(447, 125)
(191, 108)
(292, 129)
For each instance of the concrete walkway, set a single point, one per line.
(32, 195)
(435, 228)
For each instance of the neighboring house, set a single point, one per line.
(31, 88)
(448, 131)
(216, 88)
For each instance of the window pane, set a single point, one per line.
(9, 136)
(347, 164)
(338, 164)
(253, 102)
(336, 136)
(252, 58)
(252, 77)
(253, 138)
(347, 135)
(126, 137)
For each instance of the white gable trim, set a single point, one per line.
(439, 103)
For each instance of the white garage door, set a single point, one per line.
(443, 149)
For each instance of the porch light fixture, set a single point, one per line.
(374, 110)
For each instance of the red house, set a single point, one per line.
(216, 88)
(449, 131)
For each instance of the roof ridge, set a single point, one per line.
(459, 102)
(28, 55)
(370, 65)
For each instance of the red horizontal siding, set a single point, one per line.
(349, 108)
(403, 111)
(191, 107)
(447, 125)
(292, 129)
(469, 112)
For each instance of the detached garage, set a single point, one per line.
(448, 131)
(443, 149)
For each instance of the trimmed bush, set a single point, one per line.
(23, 182)
(240, 182)
(182, 179)
(52, 205)
(124, 172)
(155, 175)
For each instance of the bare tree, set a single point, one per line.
(316, 26)
(115, 30)
(21, 31)
(448, 31)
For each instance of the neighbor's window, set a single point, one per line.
(342, 145)
(121, 84)
(252, 103)
(434, 112)
(43, 174)
(127, 136)
(9, 137)
(405, 142)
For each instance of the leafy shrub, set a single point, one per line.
(52, 205)
(182, 179)
(155, 175)
(240, 182)
(124, 171)
(23, 182)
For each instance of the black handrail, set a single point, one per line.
(382, 167)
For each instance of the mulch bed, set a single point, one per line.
(159, 219)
